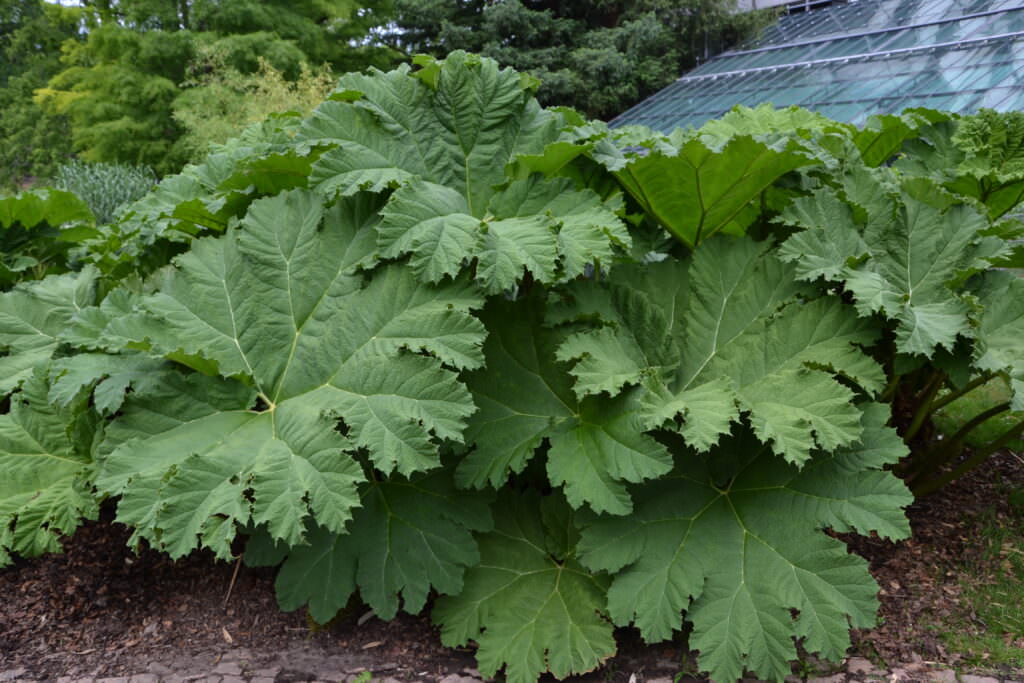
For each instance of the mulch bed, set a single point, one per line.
(921, 579)
(101, 610)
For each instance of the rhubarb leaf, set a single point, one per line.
(45, 491)
(32, 318)
(409, 536)
(525, 399)
(280, 305)
(529, 604)
(734, 539)
(739, 339)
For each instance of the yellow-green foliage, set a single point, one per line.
(222, 100)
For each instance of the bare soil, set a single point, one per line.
(100, 609)
(922, 579)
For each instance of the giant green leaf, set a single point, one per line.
(544, 227)
(596, 444)
(279, 305)
(902, 265)
(529, 604)
(458, 129)
(695, 187)
(53, 207)
(883, 135)
(738, 340)
(409, 535)
(826, 245)
(45, 489)
(999, 345)
(734, 539)
(33, 316)
(445, 135)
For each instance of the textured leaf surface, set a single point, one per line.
(1000, 334)
(109, 376)
(899, 264)
(734, 539)
(529, 604)
(980, 156)
(192, 459)
(33, 315)
(544, 227)
(737, 340)
(408, 537)
(208, 195)
(280, 305)
(44, 490)
(457, 130)
(697, 189)
(596, 445)
(827, 245)
(445, 140)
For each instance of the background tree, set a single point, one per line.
(121, 87)
(117, 90)
(127, 81)
(31, 35)
(600, 57)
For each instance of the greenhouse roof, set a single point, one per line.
(853, 59)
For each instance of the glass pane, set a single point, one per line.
(993, 98)
(903, 69)
(1015, 102)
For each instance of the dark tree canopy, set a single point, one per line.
(600, 57)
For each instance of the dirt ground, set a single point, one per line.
(100, 610)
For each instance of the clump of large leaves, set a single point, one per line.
(980, 157)
(902, 252)
(724, 343)
(409, 293)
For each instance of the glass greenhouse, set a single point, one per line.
(853, 59)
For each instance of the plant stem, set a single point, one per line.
(954, 395)
(979, 457)
(890, 389)
(939, 456)
(924, 405)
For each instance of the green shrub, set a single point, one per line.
(105, 187)
(435, 339)
(221, 101)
